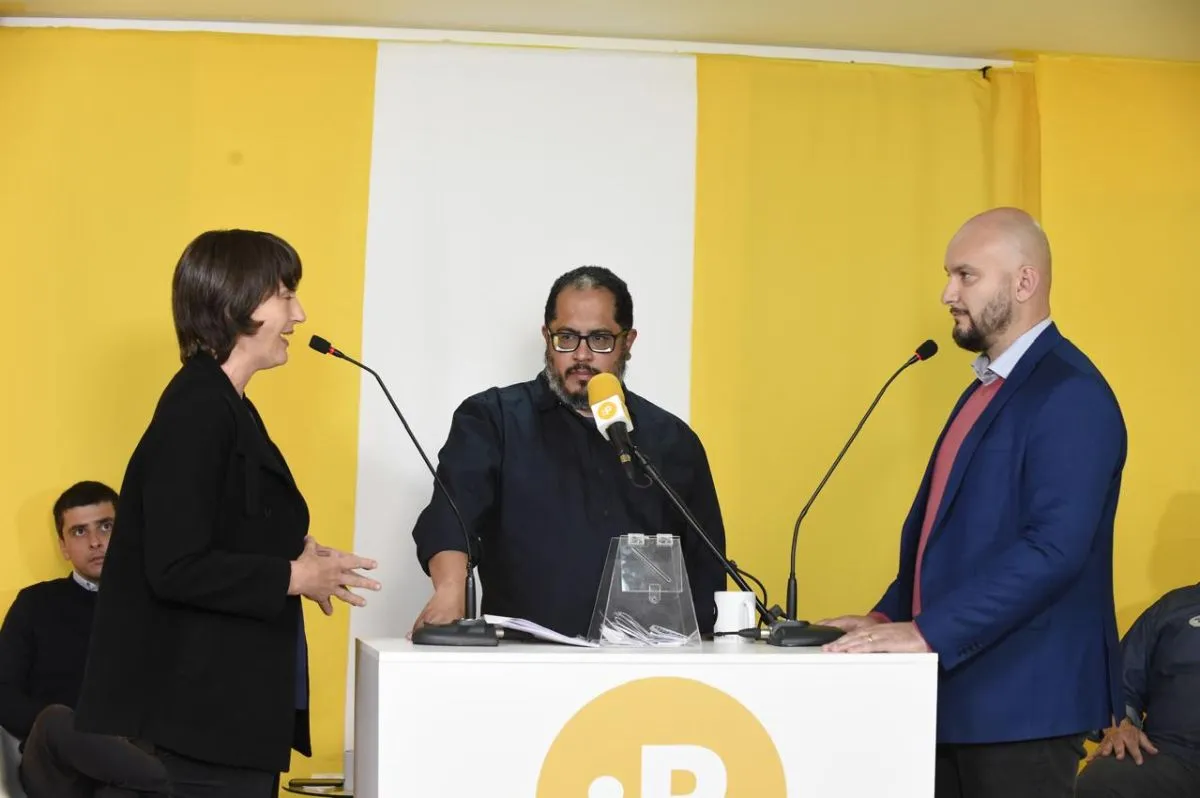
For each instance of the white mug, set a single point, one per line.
(735, 611)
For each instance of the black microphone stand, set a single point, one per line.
(779, 631)
(795, 632)
(734, 573)
(469, 630)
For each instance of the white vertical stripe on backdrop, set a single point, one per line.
(495, 170)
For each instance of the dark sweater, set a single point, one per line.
(43, 648)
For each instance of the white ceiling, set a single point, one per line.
(1164, 29)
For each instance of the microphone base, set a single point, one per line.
(800, 634)
(475, 632)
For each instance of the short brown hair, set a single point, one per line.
(82, 494)
(221, 278)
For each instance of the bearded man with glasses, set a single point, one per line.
(542, 492)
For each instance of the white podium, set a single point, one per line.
(724, 719)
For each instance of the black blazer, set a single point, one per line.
(195, 641)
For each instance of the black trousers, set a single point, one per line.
(1026, 769)
(1159, 776)
(191, 778)
(59, 762)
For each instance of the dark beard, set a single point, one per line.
(575, 401)
(994, 320)
(970, 339)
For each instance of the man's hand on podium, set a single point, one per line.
(446, 606)
(874, 636)
(850, 623)
(448, 570)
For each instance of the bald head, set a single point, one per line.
(998, 264)
(1014, 230)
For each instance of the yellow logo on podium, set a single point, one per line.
(607, 410)
(662, 737)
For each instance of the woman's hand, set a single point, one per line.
(322, 574)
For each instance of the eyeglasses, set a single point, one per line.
(599, 342)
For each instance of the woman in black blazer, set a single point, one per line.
(198, 649)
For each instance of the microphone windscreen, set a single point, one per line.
(927, 350)
(320, 344)
(606, 398)
(604, 386)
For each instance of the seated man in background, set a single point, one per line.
(542, 492)
(43, 650)
(1155, 750)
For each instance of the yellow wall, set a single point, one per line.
(1121, 204)
(825, 197)
(116, 148)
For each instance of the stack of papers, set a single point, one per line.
(540, 632)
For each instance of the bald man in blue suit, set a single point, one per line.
(1006, 555)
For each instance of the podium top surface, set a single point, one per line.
(401, 649)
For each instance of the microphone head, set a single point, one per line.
(607, 400)
(927, 350)
(602, 386)
(321, 345)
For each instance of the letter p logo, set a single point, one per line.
(669, 736)
(660, 762)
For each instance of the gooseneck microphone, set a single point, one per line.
(794, 632)
(607, 400)
(469, 631)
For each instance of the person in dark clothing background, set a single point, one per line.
(198, 647)
(542, 492)
(43, 647)
(1154, 752)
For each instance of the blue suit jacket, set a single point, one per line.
(1016, 577)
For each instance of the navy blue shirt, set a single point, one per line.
(1161, 654)
(542, 493)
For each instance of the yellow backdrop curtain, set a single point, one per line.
(826, 194)
(116, 149)
(1121, 202)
